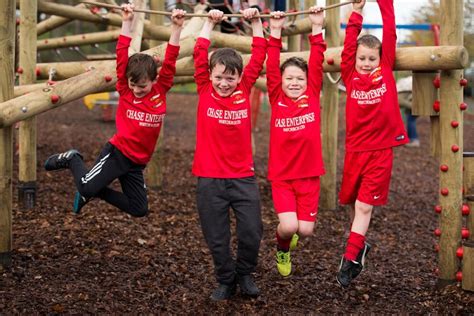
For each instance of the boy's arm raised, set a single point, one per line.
(353, 28)
(123, 44)
(168, 69)
(201, 49)
(389, 39)
(318, 47)
(259, 49)
(273, 58)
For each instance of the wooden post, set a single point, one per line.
(7, 51)
(424, 94)
(329, 117)
(27, 162)
(154, 168)
(451, 94)
(435, 138)
(468, 175)
(468, 247)
(294, 41)
(137, 27)
(468, 266)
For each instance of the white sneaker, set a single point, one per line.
(413, 143)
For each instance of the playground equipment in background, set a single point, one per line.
(108, 102)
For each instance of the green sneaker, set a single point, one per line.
(283, 262)
(294, 242)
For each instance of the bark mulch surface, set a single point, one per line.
(104, 261)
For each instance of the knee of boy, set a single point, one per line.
(289, 228)
(305, 231)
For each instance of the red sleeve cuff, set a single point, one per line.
(259, 41)
(124, 40)
(275, 42)
(315, 39)
(204, 42)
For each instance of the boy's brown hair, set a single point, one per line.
(142, 66)
(228, 57)
(370, 41)
(295, 61)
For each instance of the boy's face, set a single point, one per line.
(142, 87)
(367, 59)
(224, 82)
(294, 81)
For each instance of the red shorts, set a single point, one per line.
(299, 195)
(366, 177)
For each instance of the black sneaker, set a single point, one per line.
(346, 271)
(60, 161)
(248, 286)
(79, 202)
(361, 260)
(223, 292)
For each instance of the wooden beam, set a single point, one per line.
(101, 78)
(408, 58)
(7, 51)
(78, 40)
(53, 22)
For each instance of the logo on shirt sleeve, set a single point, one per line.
(302, 101)
(156, 100)
(238, 97)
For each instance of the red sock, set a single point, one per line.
(355, 243)
(283, 244)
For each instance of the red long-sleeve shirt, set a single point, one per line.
(373, 119)
(223, 129)
(295, 133)
(138, 120)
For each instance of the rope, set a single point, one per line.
(332, 80)
(233, 15)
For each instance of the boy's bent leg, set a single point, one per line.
(134, 199)
(107, 167)
(213, 207)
